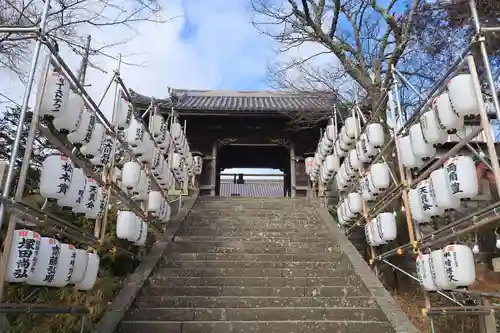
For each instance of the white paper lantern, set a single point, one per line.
(406, 154)
(198, 161)
(105, 150)
(386, 226)
(175, 161)
(143, 233)
(355, 202)
(366, 190)
(138, 191)
(155, 201)
(89, 198)
(176, 131)
(438, 271)
(146, 150)
(374, 134)
(351, 128)
(135, 133)
(362, 156)
(375, 191)
(376, 236)
(46, 264)
(444, 198)
(339, 150)
(419, 146)
(353, 160)
(309, 164)
(80, 266)
(447, 118)
(91, 148)
(431, 130)
(70, 121)
(427, 199)
(23, 255)
(462, 176)
(54, 95)
(380, 176)
(459, 265)
(76, 189)
(91, 273)
(424, 272)
(127, 226)
(65, 266)
(325, 176)
(462, 94)
(124, 111)
(131, 173)
(341, 184)
(369, 234)
(331, 133)
(95, 201)
(416, 210)
(56, 175)
(83, 133)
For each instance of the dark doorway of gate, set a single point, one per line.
(253, 171)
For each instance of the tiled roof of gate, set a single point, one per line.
(252, 188)
(245, 101)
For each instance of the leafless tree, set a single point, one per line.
(361, 40)
(68, 23)
(366, 37)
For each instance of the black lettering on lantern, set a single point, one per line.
(451, 169)
(448, 266)
(92, 197)
(54, 258)
(58, 95)
(424, 199)
(71, 266)
(25, 250)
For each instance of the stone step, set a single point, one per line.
(253, 239)
(253, 281)
(249, 272)
(286, 326)
(296, 291)
(319, 257)
(207, 264)
(252, 224)
(251, 248)
(252, 302)
(241, 213)
(250, 232)
(255, 314)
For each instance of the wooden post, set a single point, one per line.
(213, 176)
(293, 180)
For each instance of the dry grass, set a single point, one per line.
(411, 300)
(95, 300)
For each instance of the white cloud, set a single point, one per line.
(212, 44)
(224, 51)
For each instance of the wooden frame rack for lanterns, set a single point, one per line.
(399, 189)
(34, 217)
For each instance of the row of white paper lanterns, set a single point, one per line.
(446, 269)
(326, 163)
(68, 113)
(432, 197)
(444, 189)
(44, 261)
(445, 117)
(60, 180)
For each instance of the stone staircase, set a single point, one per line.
(257, 265)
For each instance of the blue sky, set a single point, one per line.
(211, 44)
